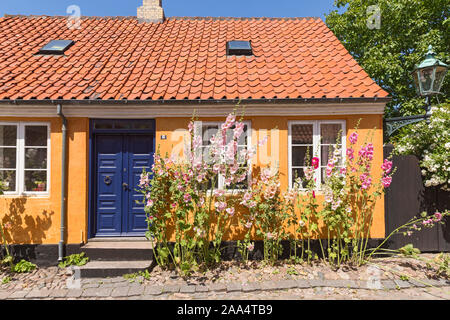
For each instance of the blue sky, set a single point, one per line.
(214, 8)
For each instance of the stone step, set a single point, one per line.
(103, 269)
(119, 250)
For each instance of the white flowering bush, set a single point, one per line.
(431, 143)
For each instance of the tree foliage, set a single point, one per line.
(389, 53)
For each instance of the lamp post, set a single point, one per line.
(428, 79)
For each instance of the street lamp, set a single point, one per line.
(428, 79)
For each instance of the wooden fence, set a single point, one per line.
(406, 198)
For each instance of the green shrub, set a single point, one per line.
(74, 260)
(23, 266)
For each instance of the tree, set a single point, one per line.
(389, 51)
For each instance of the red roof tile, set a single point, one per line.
(181, 58)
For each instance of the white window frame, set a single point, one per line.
(20, 159)
(316, 145)
(198, 125)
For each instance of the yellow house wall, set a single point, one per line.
(37, 219)
(278, 143)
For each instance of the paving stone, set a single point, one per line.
(4, 295)
(250, 287)
(402, 284)
(91, 285)
(219, 287)
(303, 283)
(171, 289)
(18, 294)
(287, 284)
(340, 283)
(97, 292)
(418, 284)
(316, 283)
(187, 289)
(59, 293)
(388, 284)
(201, 288)
(434, 282)
(269, 285)
(136, 290)
(120, 292)
(153, 290)
(74, 293)
(234, 287)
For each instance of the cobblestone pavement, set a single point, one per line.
(121, 289)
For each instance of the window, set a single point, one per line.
(239, 48)
(209, 130)
(24, 163)
(316, 139)
(56, 47)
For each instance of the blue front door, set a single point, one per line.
(119, 163)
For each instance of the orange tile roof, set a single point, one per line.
(118, 58)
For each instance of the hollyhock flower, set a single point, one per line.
(315, 163)
(220, 206)
(181, 188)
(201, 202)
(239, 129)
(248, 225)
(269, 236)
(191, 127)
(7, 226)
(228, 181)
(308, 173)
(386, 181)
(230, 211)
(366, 181)
(251, 246)
(350, 154)
(187, 198)
(302, 223)
(314, 194)
(219, 192)
(144, 180)
(353, 138)
(343, 171)
(329, 171)
(150, 203)
(216, 168)
(174, 205)
(387, 166)
(438, 217)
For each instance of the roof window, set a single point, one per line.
(56, 47)
(239, 48)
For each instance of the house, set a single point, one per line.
(84, 107)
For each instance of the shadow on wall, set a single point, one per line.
(24, 228)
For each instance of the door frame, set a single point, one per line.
(93, 131)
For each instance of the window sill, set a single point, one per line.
(44, 195)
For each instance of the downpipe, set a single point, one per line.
(63, 183)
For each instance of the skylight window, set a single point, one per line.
(239, 48)
(56, 47)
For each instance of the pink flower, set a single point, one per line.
(174, 205)
(437, 216)
(238, 130)
(315, 162)
(248, 225)
(7, 226)
(191, 127)
(386, 181)
(366, 181)
(269, 236)
(150, 203)
(219, 192)
(353, 138)
(350, 154)
(230, 211)
(314, 194)
(343, 171)
(329, 171)
(387, 166)
(187, 198)
(251, 247)
(220, 206)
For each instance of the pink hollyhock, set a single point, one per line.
(315, 162)
(220, 206)
(187, 198)
(230, 211)
(238, 130)
(251, 247)
(150, 203)
(350, 154)
(353, 138)
(438, 216)
(386, 181)
(387, 166)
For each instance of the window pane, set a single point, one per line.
(35, 136)
(8, 158)
(299, 155)
(35, 158)
(8, 177)
(302, 134)
(8, 135)
(36, 181)
(329, 132)
(327, 152)
(103, 125)
(242, 141)
(298, 173)
(209, 131)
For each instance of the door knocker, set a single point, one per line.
(107, 180)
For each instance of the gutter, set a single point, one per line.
(63, 183)
(197, 101)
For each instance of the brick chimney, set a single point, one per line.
(151, 11)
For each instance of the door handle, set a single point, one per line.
(125, 186)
